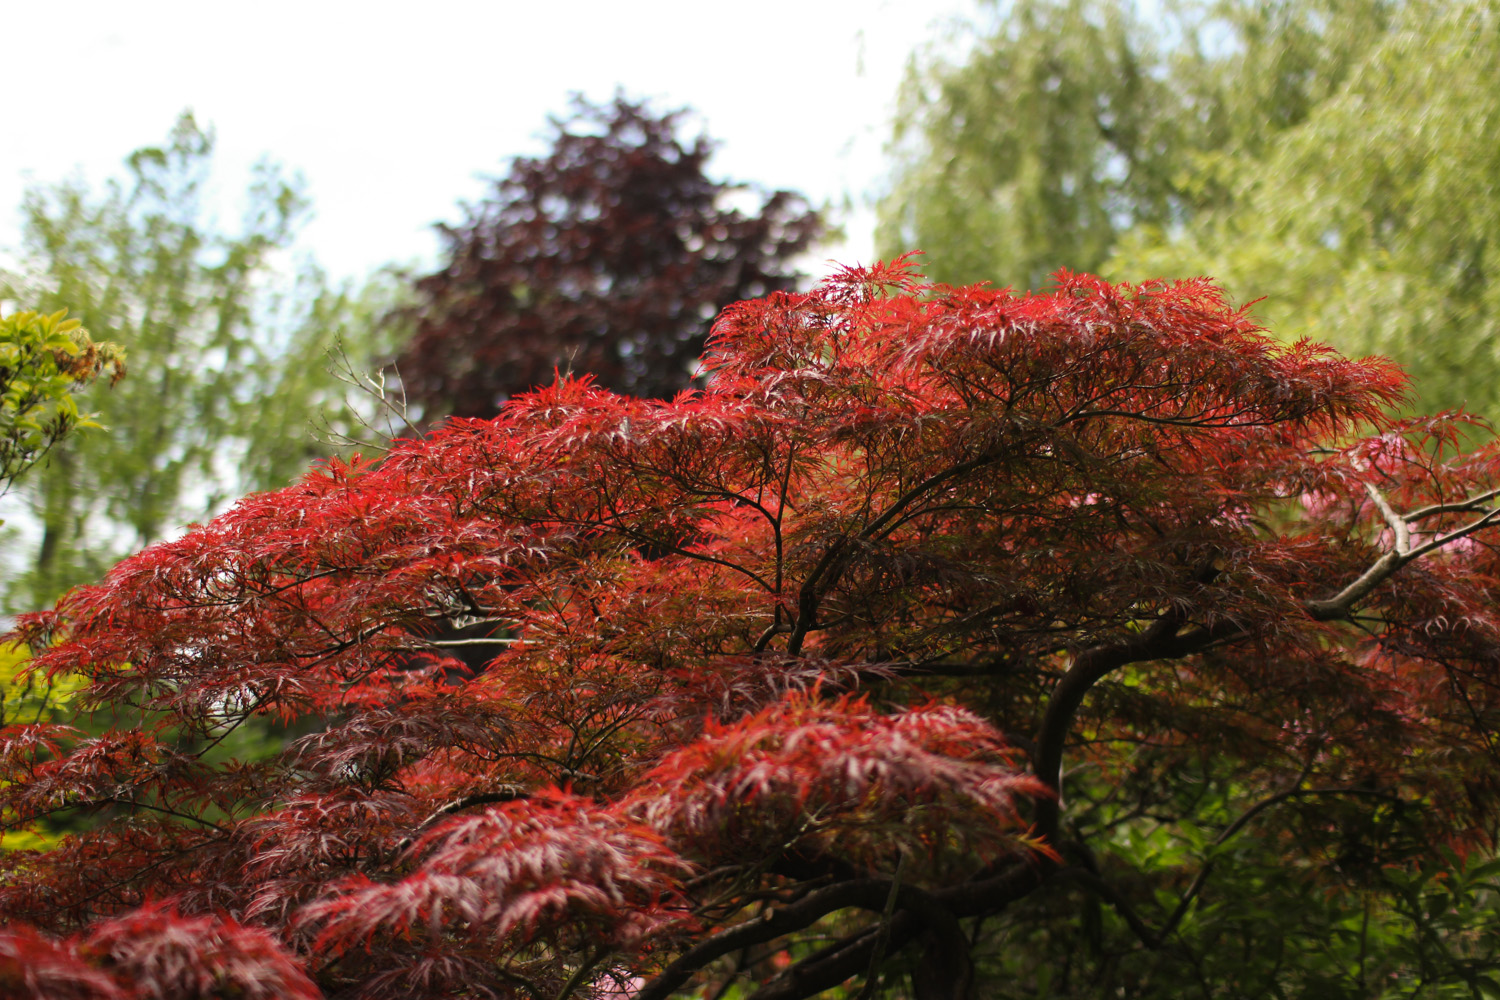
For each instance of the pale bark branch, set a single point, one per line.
(1473, 503)
(1396, 521)
(1342, 603)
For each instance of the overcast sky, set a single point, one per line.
(394, 112)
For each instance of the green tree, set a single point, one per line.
(1374, 223)
(1034, 151)
(44, 361)
(219, 324)
(1067, 123)
(1335, 156)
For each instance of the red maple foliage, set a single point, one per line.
(781, 675)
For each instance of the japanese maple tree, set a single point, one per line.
(945, 637)
(610, 256)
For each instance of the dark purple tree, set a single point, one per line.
(609, 256)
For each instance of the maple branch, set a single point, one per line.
(1161, 641)
(1341, 604)
(1157, 641)
(828, 569)
(584, 968)
(917, 912)
(866, 893)
(883, 937)
(1438, 542)
(921, 913)
(836, 963)
(243, 715)
(772, 631)
(1204, 423)
(1473, 503)
(750, 574)
(494, 641)
(134, 804)
(1396, 521)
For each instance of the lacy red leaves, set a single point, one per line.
(1111, 533)
(152, 953)
(840, 780)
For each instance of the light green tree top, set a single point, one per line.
(1374, 224)
(44, 360)
(1066, 123)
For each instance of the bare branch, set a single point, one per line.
(1473, 503)
(1396, 521)
(1484, 522)
(1342, 603)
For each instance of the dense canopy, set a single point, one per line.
(948, 637)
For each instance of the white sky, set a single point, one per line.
(394, 112)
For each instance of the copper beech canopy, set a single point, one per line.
(789, 681)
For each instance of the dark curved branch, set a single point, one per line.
(992, 891)
(917, 911)
(506, 793)
(920, 914)
(868, 894)
(1159, 641)
(837, 963)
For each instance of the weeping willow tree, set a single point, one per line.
(1065, 124)
(1374, 223)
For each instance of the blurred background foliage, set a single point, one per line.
(226, 331)
(1335, 159)
(44, 361)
